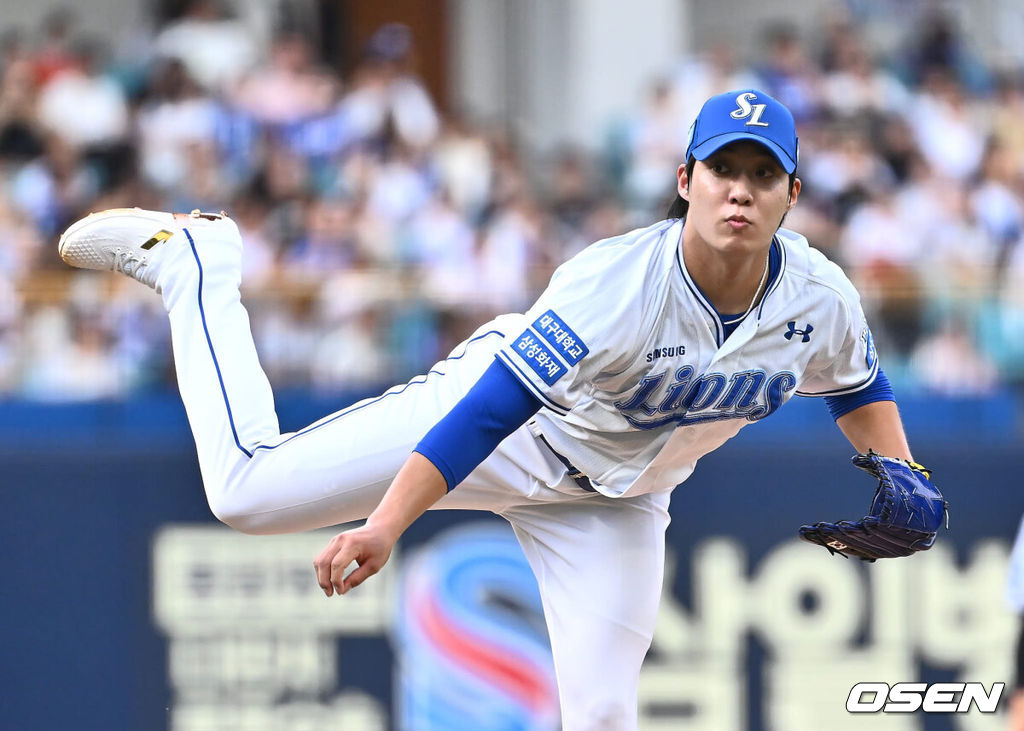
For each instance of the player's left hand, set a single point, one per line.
(904, 518)
(369, 546)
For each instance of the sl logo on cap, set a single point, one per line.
(745, 109)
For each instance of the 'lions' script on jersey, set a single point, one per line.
(632, 363)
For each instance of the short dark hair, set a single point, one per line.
(680, 205)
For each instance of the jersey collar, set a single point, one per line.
(709, 309)
(776, 266)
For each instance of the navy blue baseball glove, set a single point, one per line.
(905, 515)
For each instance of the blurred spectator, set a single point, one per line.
(290, 87)
(328, 243)
(81, 105)
(837, 31)
(512, 244)
(856, 86)
(209, 188)
(896, 145)
(140, 337)
(20, 244)
(700, 77)
(886, 252)
(1002, 328)
(215, 49)
(10, 334)
(54, 53)
(353, 354)
(605, 219)
(922, 198)
(875, 233)
(87, 110)
(397, 188)
(1008, 120)
(939, 49)
(386, 97)
(19, 135)
(949, 363)
(52, 189)
(996, 205)
(71, 358)
(462, 161)
(286, 333)
(948, 132)
(349, 354)
(259, 265)
(573, 189)
(284, 177)
(657, 139)
(845, 170)
(788, 74)
(175, 118)
(958, 251)
(443, 246)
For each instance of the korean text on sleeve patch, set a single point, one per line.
(561, 337)
(539, 358)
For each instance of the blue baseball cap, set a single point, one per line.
(747, 114)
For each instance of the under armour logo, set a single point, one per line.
(806, 332)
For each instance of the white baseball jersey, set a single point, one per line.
(630, 360)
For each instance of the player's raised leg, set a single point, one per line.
(257, 479)
(194, 262)
(599, 564)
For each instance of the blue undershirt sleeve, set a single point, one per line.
(494, 407)
(879, 390)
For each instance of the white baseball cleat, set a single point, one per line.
(127, 240)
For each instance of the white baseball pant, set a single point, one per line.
(598, 561)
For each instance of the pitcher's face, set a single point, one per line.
(738, 196)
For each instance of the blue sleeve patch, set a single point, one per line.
(869, 345)
(561, 337)
(539, 358)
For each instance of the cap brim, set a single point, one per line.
(710, 146)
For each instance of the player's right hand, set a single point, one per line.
(369, 546)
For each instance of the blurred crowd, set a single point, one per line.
(379, 230)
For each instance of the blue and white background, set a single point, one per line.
(396, 186)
